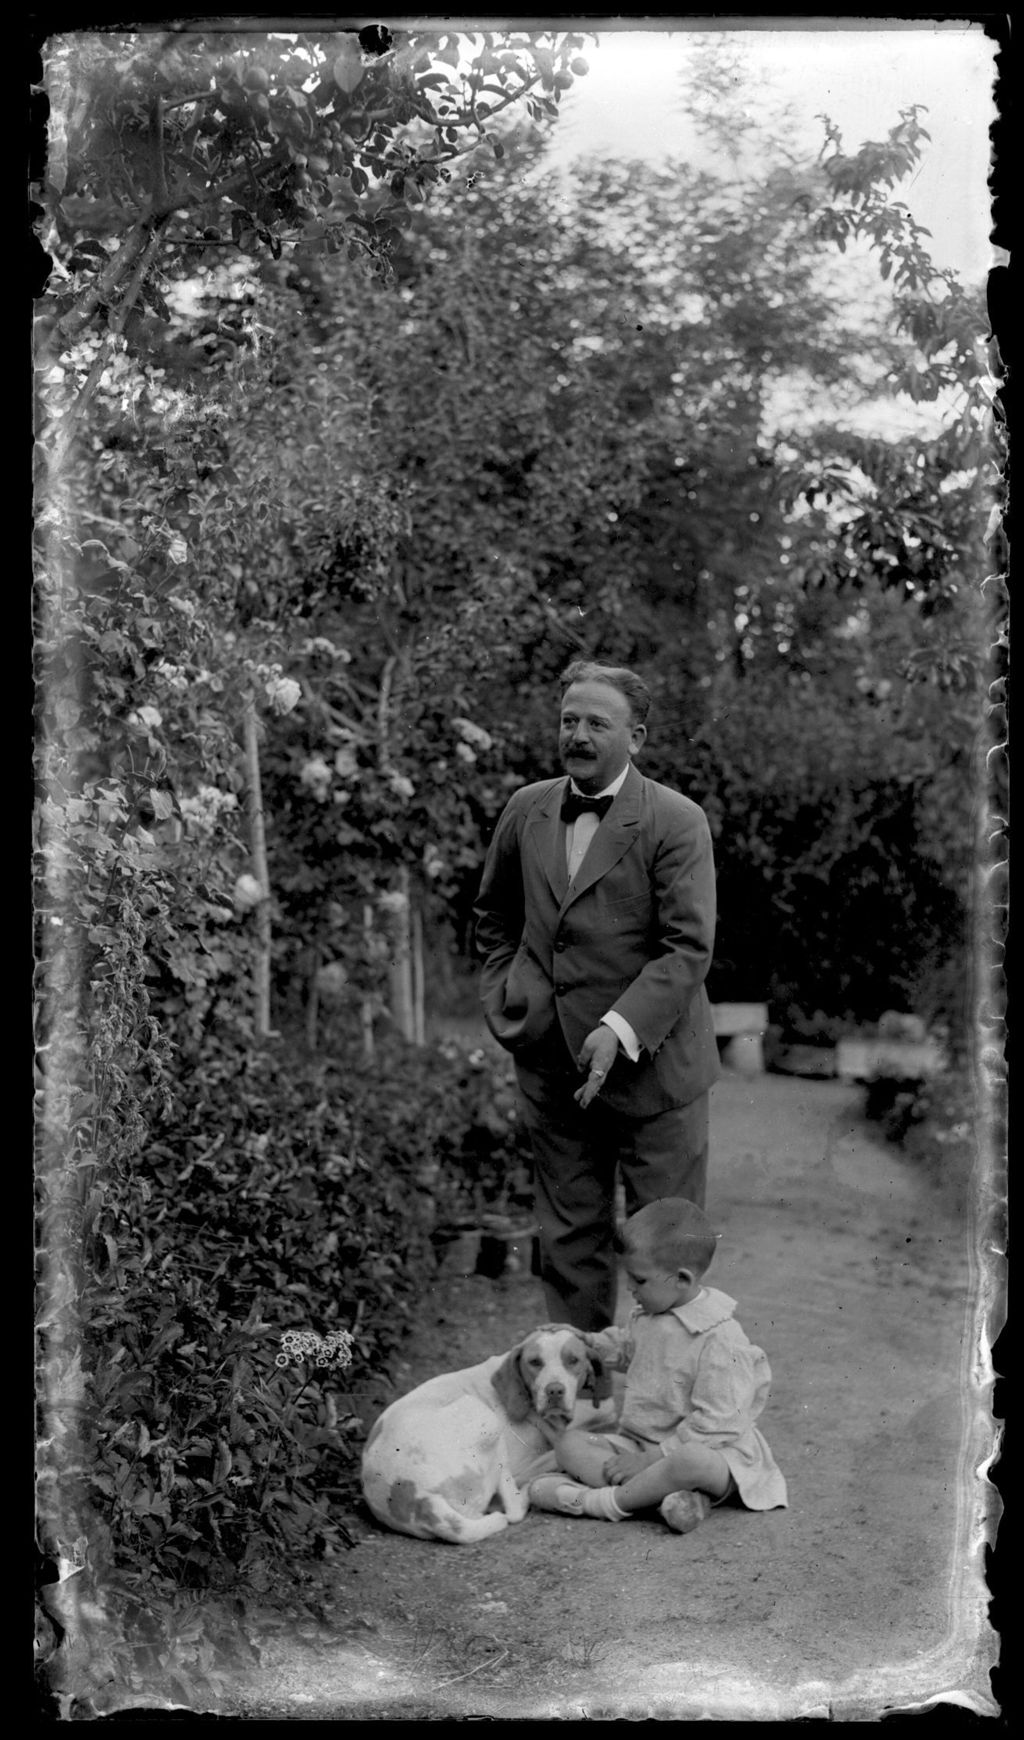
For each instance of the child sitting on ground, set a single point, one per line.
(685, 1438)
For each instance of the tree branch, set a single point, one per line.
(104, 288)
(383, 702)
(156, 140)
(232, 185)
(472, 119)
(73, 415)
(258, 849)
(192, 97)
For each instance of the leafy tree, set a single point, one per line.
(174, 144)
(165, 153)
(626, 455)
(168, 157)
(759, 571)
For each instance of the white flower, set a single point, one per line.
(248, 893)
(148, 717)
(395, 901)
(473, 734)
(464, 752)
(316, 776)
(203, 808)
(345, 763)
(172, 675)
(321, 644)
(322, 1350)
(401, 786)
(283, 693)
(331, 979)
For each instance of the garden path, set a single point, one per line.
(863, 1597)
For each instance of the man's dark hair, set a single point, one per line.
(618, 677)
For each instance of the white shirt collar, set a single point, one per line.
(609, 790)
(706, 1311)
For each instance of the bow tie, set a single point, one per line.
(574, 804)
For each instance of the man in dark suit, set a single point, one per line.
(595, 927)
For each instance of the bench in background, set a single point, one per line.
(742, 1026)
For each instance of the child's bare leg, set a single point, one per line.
(692, 1468)
(689, 1477)
(584, 1455)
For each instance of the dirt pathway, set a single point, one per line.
(865, 1596)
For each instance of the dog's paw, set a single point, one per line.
(516, 1505)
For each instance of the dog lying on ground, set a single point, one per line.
(438, 1458)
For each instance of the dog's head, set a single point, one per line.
(546, 1375)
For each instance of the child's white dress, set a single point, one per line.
(693, 1376)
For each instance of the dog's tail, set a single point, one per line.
(449, 1524)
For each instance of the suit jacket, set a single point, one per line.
(633, 933)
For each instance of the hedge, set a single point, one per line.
(288, 1196)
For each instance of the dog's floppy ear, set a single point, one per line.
(513, 1394)
(597, 1384)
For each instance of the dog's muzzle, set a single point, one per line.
(554, 1409)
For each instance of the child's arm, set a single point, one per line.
(613, 1346)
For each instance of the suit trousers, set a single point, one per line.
(576, 1156)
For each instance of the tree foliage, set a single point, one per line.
(165, 155)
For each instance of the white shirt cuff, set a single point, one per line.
(624, 1033)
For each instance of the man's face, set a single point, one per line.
(596, 734)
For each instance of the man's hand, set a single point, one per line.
(597, 1054)
(627, 1463)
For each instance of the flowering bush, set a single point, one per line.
(298, 1346)
(935, 1122)
(455, 1121)
(217, 1434)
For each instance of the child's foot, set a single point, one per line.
(554, 1492)
(684, 1511)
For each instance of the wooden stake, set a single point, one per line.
(418, 1011)
(258, 848)
(401, 961)
(367, 1008)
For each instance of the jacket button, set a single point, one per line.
(560, 990)
(559, 944)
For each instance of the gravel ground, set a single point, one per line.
(863, 1598)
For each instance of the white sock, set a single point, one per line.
(602, 1502)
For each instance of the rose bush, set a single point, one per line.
(286, 1210)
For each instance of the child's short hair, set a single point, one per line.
(673, 1233)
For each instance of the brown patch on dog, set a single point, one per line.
(409, 1507)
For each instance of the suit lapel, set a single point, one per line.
(616, 834)
(548, 831)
